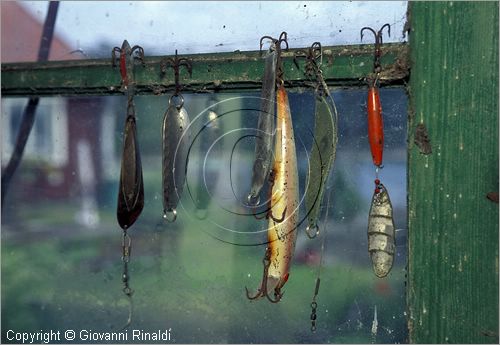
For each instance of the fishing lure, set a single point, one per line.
(324, 148)
(175, 139)
(374, 109)
(283, 217)
(131, 187)
(265, 125)
(375, 126)
(381, 231)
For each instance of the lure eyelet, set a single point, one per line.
(312, 231)
(253, 200)
(170, 215)
(178, 105)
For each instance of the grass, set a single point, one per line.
(187, 281)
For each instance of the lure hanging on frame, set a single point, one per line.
(321, 158)
(131, 188)
(266, 123)
(282, 214)
(380, 220)
(325, 138)
(175, 139)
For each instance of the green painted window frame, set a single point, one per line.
(343, 66)
(452, 285)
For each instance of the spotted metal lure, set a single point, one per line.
(381, 230)
(380, 222)
(265, 126)
(283, 213)
(175, 139)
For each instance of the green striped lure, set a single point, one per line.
(324, 147)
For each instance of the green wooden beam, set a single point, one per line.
(343, 66)
(453, 226)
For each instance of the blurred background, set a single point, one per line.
(61, 245)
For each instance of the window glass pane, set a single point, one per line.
(61, 244)
(160, 27)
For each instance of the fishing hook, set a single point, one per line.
(378, 42)
(263, 288)
(283, 38)
(268, 213)
(127, 56)
(312, 68)
(175, 63)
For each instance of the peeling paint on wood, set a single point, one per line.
(422, 139)
(453, 228)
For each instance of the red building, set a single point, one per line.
(64, 129)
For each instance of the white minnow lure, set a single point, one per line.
(381, 231)
(265, 126)
(283, 211)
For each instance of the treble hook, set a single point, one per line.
(283, 38)
(126, 56)
(268, 213)
(313, 53)
(262, 292)
(378, 42)
(175, 63)
(312, 68)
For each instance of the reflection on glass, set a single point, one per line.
(61, 244)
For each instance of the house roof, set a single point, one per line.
(21, 33)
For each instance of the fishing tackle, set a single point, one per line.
(375, 122)
(175, 138)
(380, 223)
(131, 187)
(284, 201)
(265, 125)
(208, 169)
(381, 243)
(314, 304)
(324, 148)
(266, 122)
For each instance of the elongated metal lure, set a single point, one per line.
(321, 159)
(381, 231)
(131, 188)
(265, 126)
(375, 125)
(282, 226)
(175, 136)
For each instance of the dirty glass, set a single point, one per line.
(91, 28)
(61, 244)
